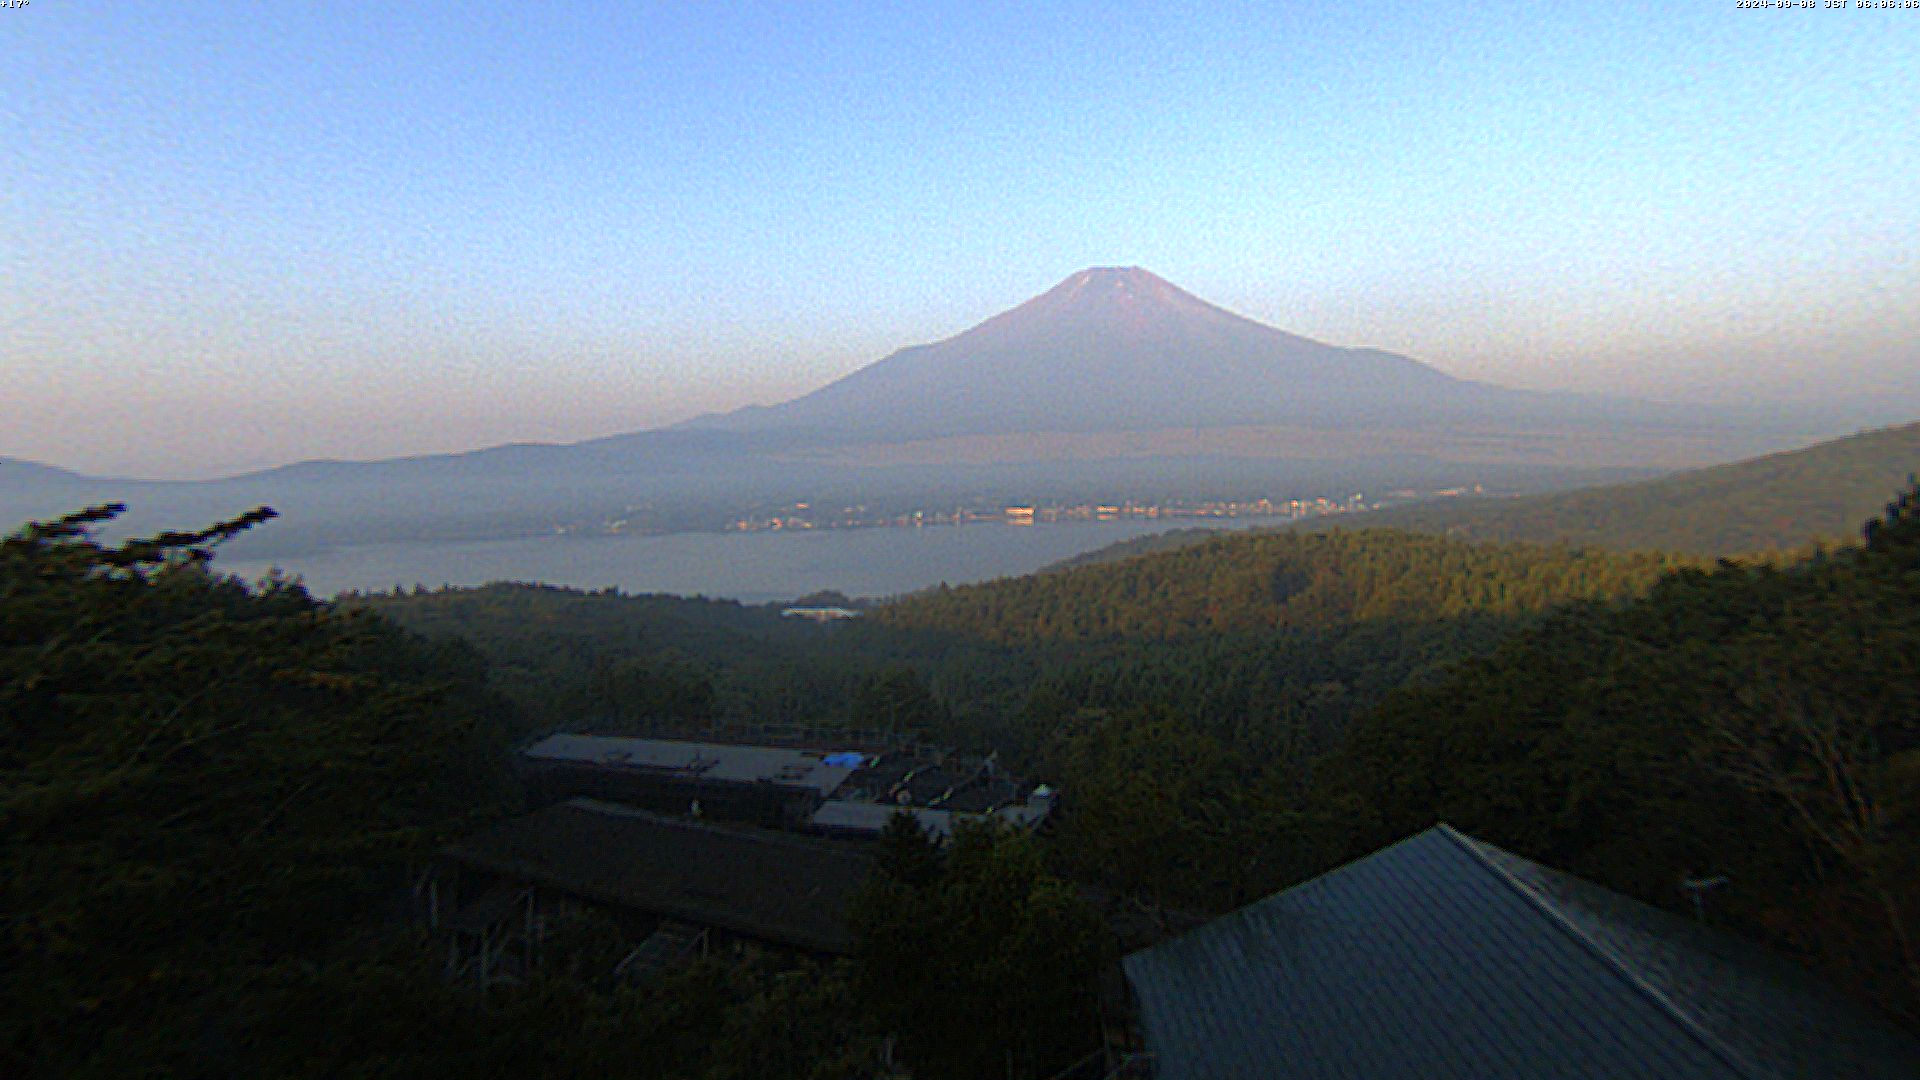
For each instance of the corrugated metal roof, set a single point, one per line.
(1762, 1006)
(1442, 957)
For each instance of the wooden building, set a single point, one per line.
(664, 880)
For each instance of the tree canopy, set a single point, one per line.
(1747, 722)
(203, 781)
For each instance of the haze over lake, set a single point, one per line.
(754, 567)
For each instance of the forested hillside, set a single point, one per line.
(1267, 641)
(212, 790)
(1778, 502)
(1754, 726)
(1754, 723)
(614, 661)
(1260, 638)
(1274, 581)
(207, 787)
(212, 795)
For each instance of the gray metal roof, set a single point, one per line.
(1443, 957)
(697, 760)
(772, 886)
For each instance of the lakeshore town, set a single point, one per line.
(807, 516)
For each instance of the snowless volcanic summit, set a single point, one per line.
(1122, 349)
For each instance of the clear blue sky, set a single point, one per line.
(235, 234)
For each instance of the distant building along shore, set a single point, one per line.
(804, 516)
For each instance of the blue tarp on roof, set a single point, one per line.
(1441, 957)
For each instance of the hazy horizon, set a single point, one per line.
(238, 238)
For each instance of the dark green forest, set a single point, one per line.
(214, 793)
(565, 656)
(212, 799)
(1236, 715)
(1268, 643)
(1275, 581)
(206, 786)
(1255, 637)
(1750, 721)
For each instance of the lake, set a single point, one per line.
(754, 567)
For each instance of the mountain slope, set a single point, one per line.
(1261, 583)
(1112, 385)
(1779, 501)
(1112, 349)
(1268, 643)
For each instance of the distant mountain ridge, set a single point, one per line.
(1119, 348)
(22, 471)
(1114, 384)
(1107, 350)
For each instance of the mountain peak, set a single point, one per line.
(1128, 274)
(1114, 295)
(1122, 279)
(1113, 348)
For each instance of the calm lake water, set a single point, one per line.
(754, 567)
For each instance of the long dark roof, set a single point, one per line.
(774, 887)
(1444, 957)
